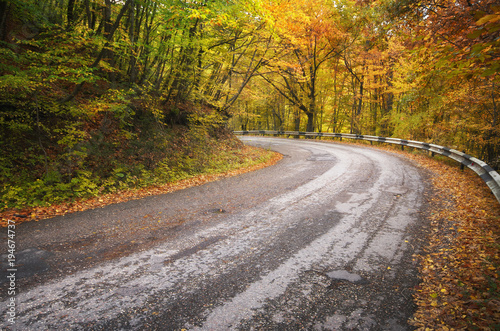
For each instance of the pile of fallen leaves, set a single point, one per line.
(460, 286)
(255, 155)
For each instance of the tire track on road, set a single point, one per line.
(226, 273)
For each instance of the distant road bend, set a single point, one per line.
(321, 241)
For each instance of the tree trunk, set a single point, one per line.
(297, 120)
(388, 101)
(360, 97)
(4, 9)
(310, 122)
(70, 13)
(88, 14)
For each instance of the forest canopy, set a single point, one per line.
(97, 94)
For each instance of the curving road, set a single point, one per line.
(321, 241)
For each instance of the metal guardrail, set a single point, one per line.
(487, 173)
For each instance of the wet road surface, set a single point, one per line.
(321, 241)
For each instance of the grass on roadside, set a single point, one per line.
(227, 163)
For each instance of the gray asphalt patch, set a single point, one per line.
(28, 262)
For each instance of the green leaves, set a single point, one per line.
(476, 33)
(488, 19)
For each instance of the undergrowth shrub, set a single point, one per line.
(82, 154)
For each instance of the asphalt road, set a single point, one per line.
(321, 241)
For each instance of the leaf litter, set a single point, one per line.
(460, 283)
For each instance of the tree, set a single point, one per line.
(307, 35)
(459, 41)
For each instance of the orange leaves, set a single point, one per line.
(460, 275)
(304, 21)
(460, 268)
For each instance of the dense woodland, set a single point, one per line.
(97, 95)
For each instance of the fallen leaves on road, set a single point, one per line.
(39, 213)
(460, 269)
(460, 288)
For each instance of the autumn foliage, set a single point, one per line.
(98, 89)
(460, 286)
(421, 70)
(101, 97)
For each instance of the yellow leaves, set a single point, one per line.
(195, 14)
(199, 14)
(222, 19)
(492, 18)
(302, 21)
